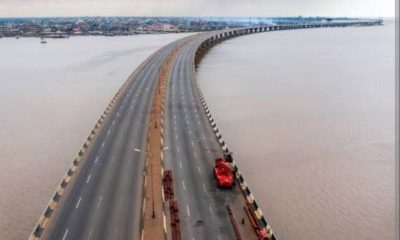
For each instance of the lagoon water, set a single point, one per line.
(309, 116)
(51, 95)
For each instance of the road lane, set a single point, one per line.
(106, 206)
(202, 204)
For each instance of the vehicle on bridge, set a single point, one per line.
(223, 173)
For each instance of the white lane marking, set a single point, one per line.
(131, 107)
(192, 143)
(204, 188)
(198, 168)
(102, 145)
(188, 211)
(136, 150)
(88, 179)
(180, 164)
(79, 201)
(90, 232)
(198, 122)
(177, 149)
(100, 199)
(219, 237)
(108, 132)
(183, 185)
(113, 122)
(212, 213)
(176, 136)
(65, 234)
(97, 158)
(195, 155)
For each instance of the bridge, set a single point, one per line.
(145, 170)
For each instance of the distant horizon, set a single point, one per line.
(222, 17)
(198, 8)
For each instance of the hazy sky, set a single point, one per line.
(361, 8)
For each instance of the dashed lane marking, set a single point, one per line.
(79, 201)
(88, 179)
(212, 213)
(65, 234)
(188, 211)
(99, 203)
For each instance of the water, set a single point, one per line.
(51, 96)
(309, 115)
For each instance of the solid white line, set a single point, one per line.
(212, 213)
(65, 234)
(100, 199)
(188, 211)
(79, 201)
(88, 179)
(183, 185)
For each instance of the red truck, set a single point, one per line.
(223, 173)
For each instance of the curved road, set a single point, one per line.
(104, 198)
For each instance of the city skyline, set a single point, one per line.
(200, 8)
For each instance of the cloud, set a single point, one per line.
(21, 8)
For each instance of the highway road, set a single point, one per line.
(104, 199)
(192, 148)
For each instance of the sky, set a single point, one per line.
(261, 8)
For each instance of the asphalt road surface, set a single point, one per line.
(192, 148)
(104, 198)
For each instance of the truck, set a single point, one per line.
(223, 173)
